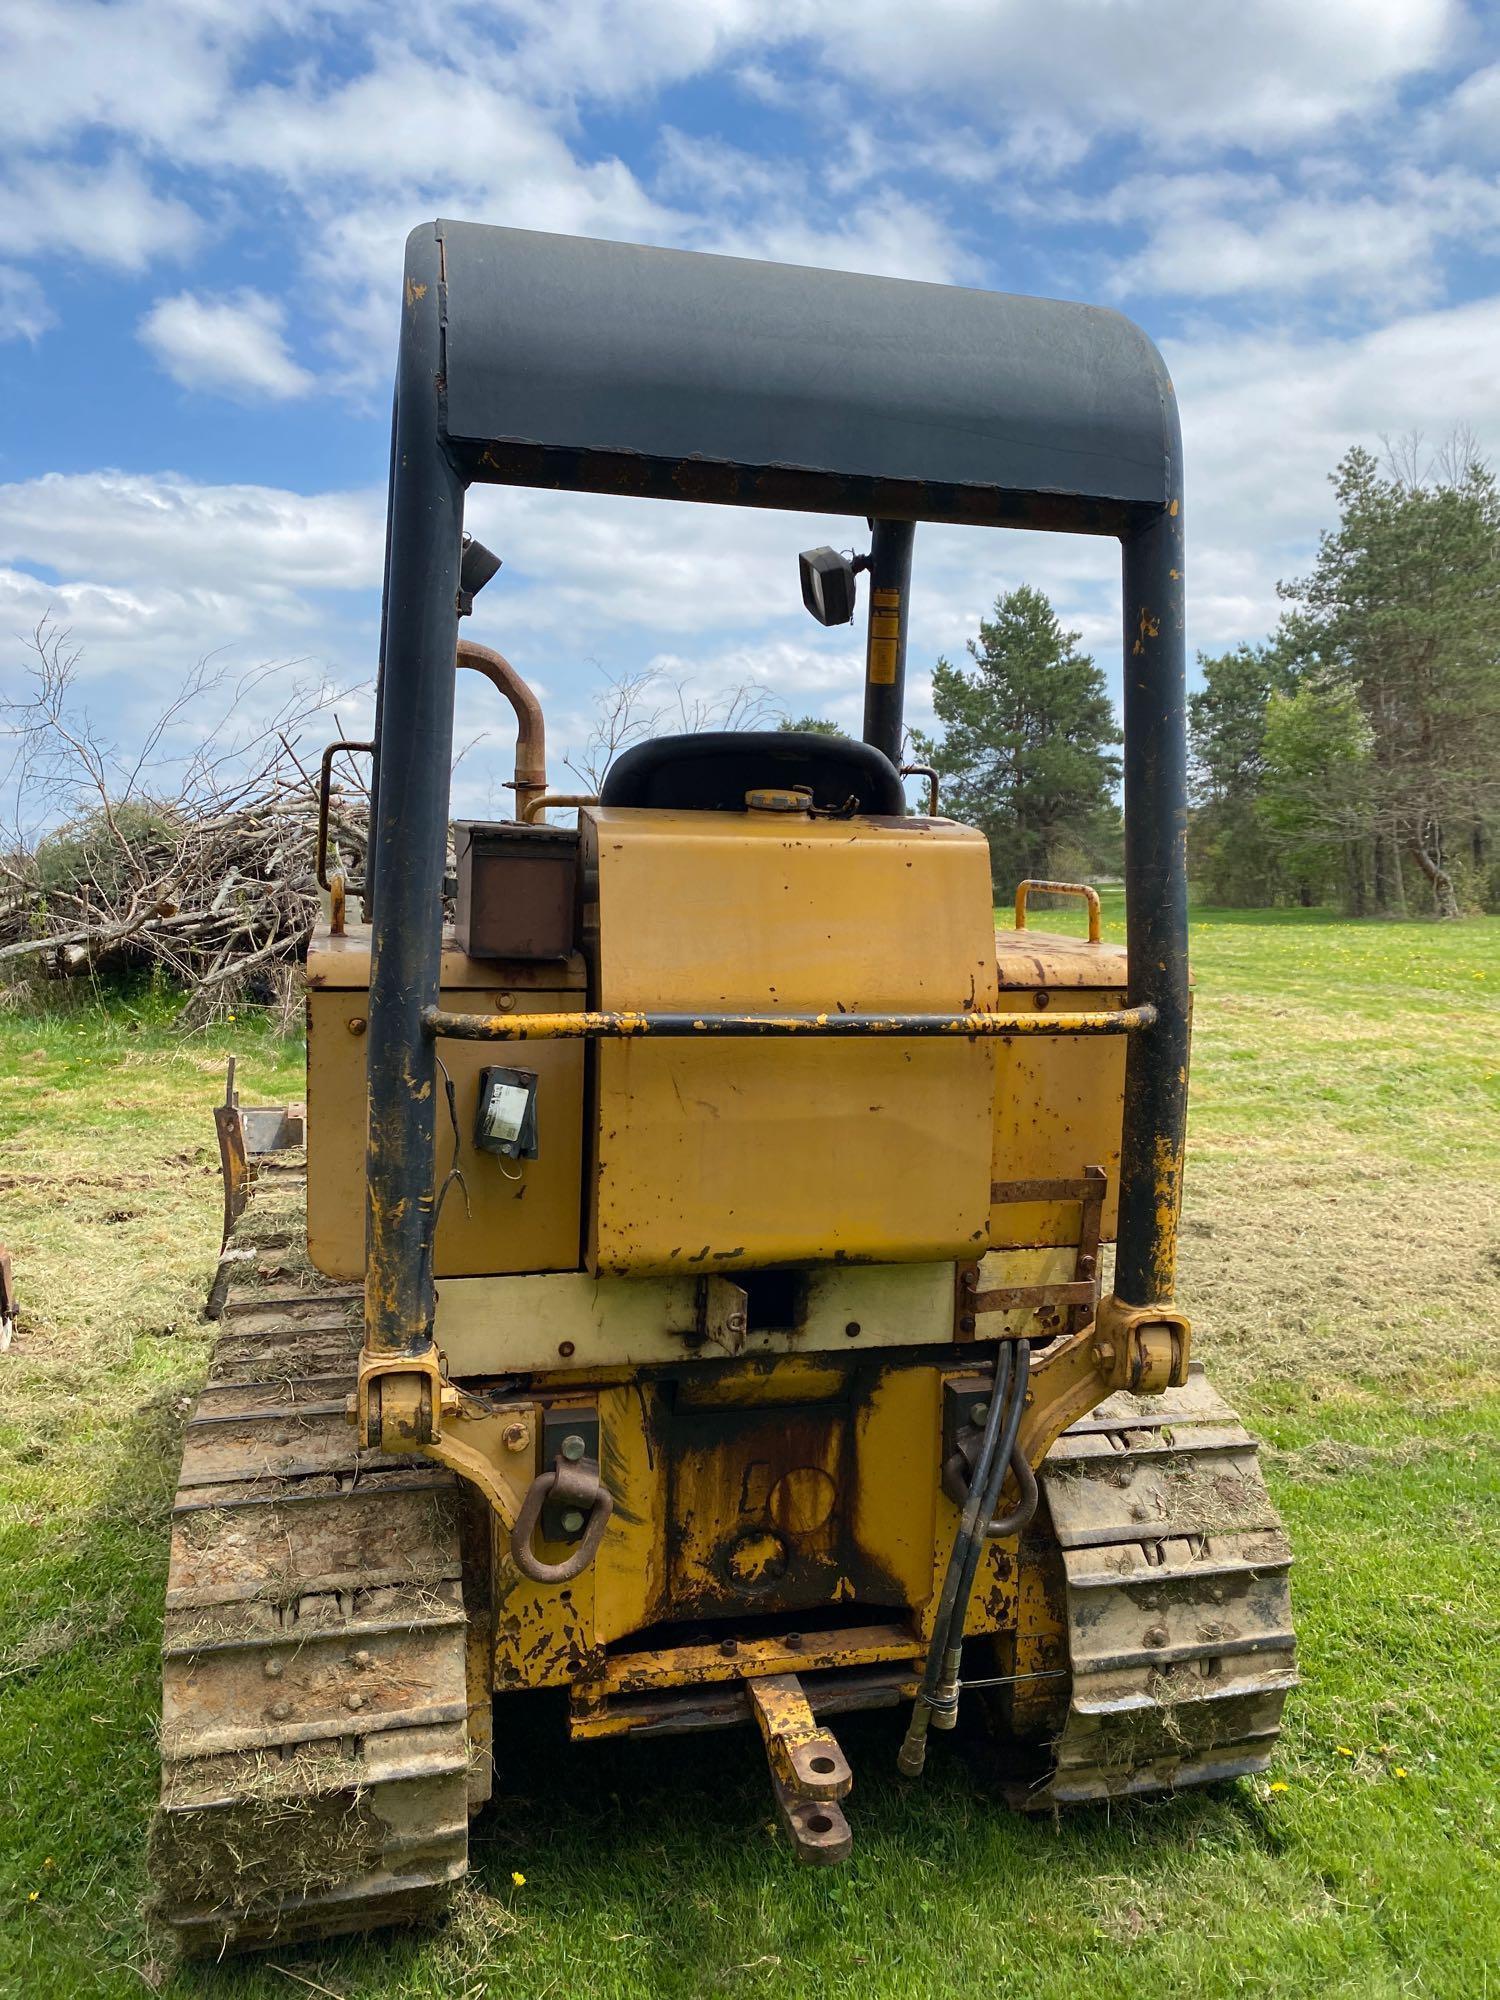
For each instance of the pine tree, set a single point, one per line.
(1029, 734)
(1402, 615)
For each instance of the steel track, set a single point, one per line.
(316, 1767)
(1178, 1606)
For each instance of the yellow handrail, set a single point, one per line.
(1090, 896)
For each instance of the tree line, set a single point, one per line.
(1352, 757)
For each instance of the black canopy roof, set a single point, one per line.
(611, 367)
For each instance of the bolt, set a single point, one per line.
(971, 1281)
(505, 1001)
(978, 1412)
(573, 1447)
(1041, 999)
(966, 1323)
(565, 1349)
(734, 1323)
(572, 1522)
(281, 1437)
(272, 1670)
(1155, 1635)
(363, 1658)
(515, 1437)
(358, 1024)
(793, 1640)
(280, 1710)
(852, 1329)
(354, 1703)
(728, 1647)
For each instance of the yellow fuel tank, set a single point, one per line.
(730, 1154)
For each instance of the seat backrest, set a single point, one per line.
(712, 771)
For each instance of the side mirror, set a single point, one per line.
(828, 585)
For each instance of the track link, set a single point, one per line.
(316, 1765)
(1178, 1604)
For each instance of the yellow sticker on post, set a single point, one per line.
(885, 637)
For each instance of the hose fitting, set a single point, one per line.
(911, 1758)
(944, 1703)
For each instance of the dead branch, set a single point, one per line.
(197, 860)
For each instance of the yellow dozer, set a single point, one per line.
(702, 1307)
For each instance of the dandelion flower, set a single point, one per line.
(1343, 1750)
(1281, 1786)
(518, 1878)
(34, 1896)
(1400, 1771)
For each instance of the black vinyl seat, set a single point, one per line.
(712, 771)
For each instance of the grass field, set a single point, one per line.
(1341, 1259)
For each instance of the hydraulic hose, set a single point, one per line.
(945, 1701)
(914, 1750)
(936, 1705)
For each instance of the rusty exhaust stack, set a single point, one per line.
(531, 731)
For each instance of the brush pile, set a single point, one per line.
(209, 880)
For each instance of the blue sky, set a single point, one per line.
(203, 203)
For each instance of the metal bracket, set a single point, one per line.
(963, 1396)
(1142, 1348)
(405, 1403)
(721, 1314)
(570, 1432)
(809, 1772)
(1079, 1295)
(399, 1400)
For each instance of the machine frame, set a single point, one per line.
(582, 366)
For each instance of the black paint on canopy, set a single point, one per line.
(612, 367)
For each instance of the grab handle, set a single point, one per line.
(1090, 896)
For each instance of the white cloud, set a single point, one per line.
(1224, 235)
(152, 69)
(147, 575)
(1471, 115)
(416, 135)
(1261, 73)
(740, 204)
(261, 540)
(235, 344)
(1267, 416)
(108, 215)
(24, 312)
(150, 573)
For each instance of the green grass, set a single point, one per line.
(1340, 1254)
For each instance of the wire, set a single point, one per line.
(455, 1172)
